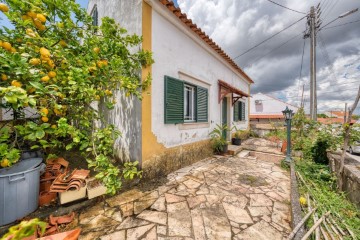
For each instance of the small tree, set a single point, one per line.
(58, 64)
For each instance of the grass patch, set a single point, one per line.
(322, 188)
(252, 180)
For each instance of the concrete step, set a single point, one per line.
(234, 150)
(243, 154)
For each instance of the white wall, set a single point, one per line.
(268, 105)
(176, 54)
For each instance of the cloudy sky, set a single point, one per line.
(238, 25)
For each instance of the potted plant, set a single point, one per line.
(219, 143)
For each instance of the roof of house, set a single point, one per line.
(333, 120)
(266, 116)
(337, 113)
(182, 17)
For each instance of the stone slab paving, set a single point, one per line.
(217, 198)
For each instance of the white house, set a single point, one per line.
(195, 85)
(267, 109)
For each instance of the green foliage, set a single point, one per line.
(25, 229)
(62, 66)
(323, 188)
(130, 170)
(217, 138)
(322, 115)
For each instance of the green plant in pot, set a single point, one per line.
(219, 143)
(239, 135)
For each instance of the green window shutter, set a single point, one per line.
(174, 100)
(236, 111)
(201, 104)
(242, 111)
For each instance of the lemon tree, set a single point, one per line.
(57, 63)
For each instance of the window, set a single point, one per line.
(184, 102)
(94, 15)
(189, 103)
(239, 111)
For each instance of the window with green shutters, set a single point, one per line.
(239, 111)
(184, 102)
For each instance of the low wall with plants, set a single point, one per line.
(351, 176)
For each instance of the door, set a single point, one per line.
(224, 115)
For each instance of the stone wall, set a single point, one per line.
(351, 177)
(175, 158)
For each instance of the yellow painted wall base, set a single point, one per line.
(175, 158)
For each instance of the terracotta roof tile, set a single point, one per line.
(334, 120)
(267, 116)
(182, 16)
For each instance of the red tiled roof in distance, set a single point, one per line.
(182, 17)
(266, 116)
(333, 120)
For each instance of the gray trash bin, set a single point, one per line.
(19, 189)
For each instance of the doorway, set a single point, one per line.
(224, 115)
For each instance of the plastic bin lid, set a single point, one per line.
(21, 166)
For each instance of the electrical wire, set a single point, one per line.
(285, 7)
(279, 46)
(341, 24)
(267, 39)
(329, 10)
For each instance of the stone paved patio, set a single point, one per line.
(217, 198)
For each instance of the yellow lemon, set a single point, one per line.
(52, 74)
(44, 119)
(34, 61)
(108, 92)
(41, 17)
(302, 201)
(96, 50)
(44, 52)
(7, 46)
(38, 24)
(31, 14)
(13, 50)
(45, 79)
(44, 111)
(63, 43)
(25, 17)
(4, 77)
(53, 126)
(5, 163)
(30, 32)
(16, 83)
(97, 97)
(57, 112)
(31, 90)
(4, 7)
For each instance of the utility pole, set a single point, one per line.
(302, 97)
(313, 98)
(345, 113)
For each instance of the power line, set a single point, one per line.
(267, 39)
(285, 7)
(279, 46)
(341, 24)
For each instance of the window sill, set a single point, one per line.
(239, 122)
(193, 125)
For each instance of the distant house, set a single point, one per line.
(266, 109)
(195, 85)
